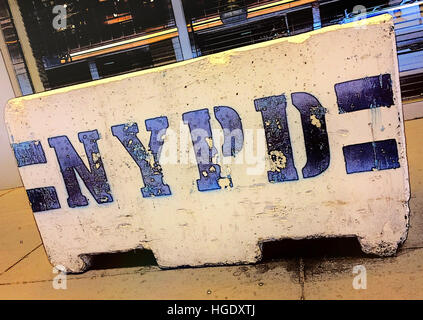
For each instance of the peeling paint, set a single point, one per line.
(315, 122)
(278, 160)
(209, 142)
(225, 183)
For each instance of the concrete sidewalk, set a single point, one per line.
(25, 272)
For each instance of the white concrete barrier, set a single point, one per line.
(203, 161)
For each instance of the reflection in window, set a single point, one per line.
(102, 38)
(14, 48)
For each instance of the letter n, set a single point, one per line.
(69, 161)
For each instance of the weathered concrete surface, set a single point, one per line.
(227, 225)
(31, 275)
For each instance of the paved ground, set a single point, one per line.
(25, 272)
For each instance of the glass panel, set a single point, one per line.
(14, 48)
(119, 36)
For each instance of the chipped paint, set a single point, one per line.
(209, 142)
(278, 160)
(315, 122)
(225, 183)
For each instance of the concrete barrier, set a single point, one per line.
(203, 161)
